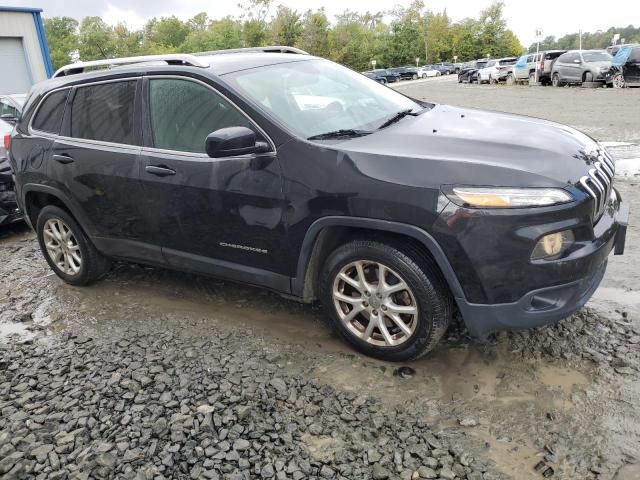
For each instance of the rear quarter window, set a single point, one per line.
(104, 112)
(48, 117)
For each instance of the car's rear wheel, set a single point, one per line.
(490, 80)
(388, 302)
(424, 75)
(66, 248)
(618, 81)
(511, 80)
(588, 77)
(555, 80)
(532, 78)
(383, 81)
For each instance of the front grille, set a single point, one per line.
(599, 181)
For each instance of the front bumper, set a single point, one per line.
(546, 305)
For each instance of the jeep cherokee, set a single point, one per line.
(282, 170)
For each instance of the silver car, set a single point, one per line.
(579, 66)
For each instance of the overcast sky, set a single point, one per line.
(555, 17)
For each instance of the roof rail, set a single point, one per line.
(171, 59)
(269, 49)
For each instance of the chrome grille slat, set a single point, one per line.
(599, 181)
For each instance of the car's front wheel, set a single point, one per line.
(555, 80)
(388, 302)
(618, 81)
(66, 248)
(414, 76)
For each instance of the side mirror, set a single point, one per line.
(233, 141)
(9, 118)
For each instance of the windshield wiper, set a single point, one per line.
(349, 132)
(399, 116)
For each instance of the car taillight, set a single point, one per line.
(542, 64)
(7, 141)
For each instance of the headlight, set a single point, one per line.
(497, 197)
(552, 244)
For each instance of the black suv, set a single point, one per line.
(291, 172)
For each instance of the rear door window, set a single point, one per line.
(635, 55)
(49, 115)
(104, 112)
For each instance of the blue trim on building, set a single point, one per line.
(42, 39)
(20, 9)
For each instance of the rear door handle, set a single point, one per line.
(159, 170)
(63, 158)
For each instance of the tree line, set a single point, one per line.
(391, 38)
(590, 40)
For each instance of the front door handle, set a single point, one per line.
(65, 159)
(159, 170)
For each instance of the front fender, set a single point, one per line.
(298, 282)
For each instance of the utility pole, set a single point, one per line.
(580, 40)
(538, 35)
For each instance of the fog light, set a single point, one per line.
(552, 245)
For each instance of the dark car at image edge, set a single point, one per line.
(282, 170)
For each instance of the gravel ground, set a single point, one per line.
(157, 374)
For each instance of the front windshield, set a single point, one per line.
(317, 96)
(596, 57)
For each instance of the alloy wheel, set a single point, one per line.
(618, 81)
(62, 247)
(375, 303)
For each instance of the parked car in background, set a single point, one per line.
(9, 211)
(457, 67)
(496, 70)
(625, 68)
(428, 71)
(386, 74)
(579, 66)
(525, 68)
(469, 71)
(405, 73)
(444, 68)
(11, 107)
(390, 211)
(376, 75)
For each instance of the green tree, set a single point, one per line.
(286, 26)
(96, 39)
(220, 35)
(62, 36)
(438, 37)
(254, 22)
(407, 35)
(315, 33)
(166, 33)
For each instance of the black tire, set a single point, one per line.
(588, 77)
(93, 266)
(415, 76)
(383, 81)
(555, 80)
(511, 80)
(532, 78)
(617, 81)
(424, 75)
(432, 297)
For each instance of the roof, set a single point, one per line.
(20, 9)
(219, 64)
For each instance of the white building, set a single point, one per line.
(24, 53)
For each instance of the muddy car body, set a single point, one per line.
(389, 210)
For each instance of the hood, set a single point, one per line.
(451, 145)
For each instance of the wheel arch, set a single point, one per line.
(35, 197)
(326, 233)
